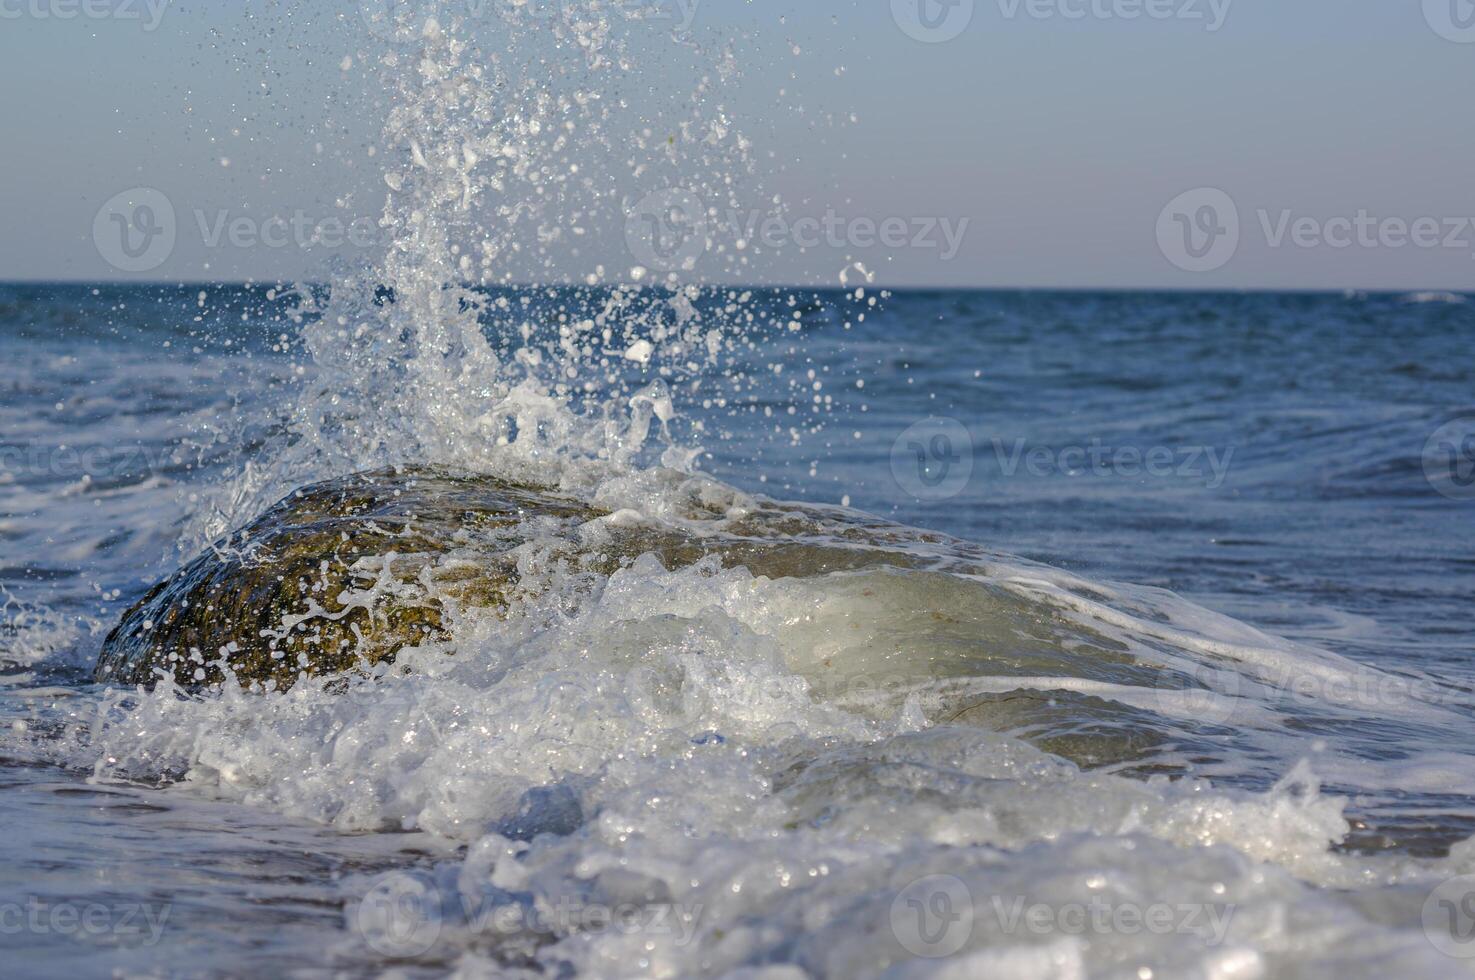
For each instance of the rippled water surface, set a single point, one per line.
(1228, 670)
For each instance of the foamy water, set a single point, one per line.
(942, 761)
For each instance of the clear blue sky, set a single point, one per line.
(1059, 138)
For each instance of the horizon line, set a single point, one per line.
(836, 287)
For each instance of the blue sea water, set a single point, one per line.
(1301, 464)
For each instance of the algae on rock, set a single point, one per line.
(337, 575)
(341, 575)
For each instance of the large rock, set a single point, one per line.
(337, 575)
(343, 574)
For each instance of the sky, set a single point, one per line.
(1175, 144)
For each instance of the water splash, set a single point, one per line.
(424, 355)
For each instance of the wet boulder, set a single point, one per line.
(341, 575)
(337, 576)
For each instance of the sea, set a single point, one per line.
(1153, 659)
(1261, 505)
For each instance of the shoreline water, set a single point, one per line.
(1377, 808)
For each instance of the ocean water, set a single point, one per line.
(1267, 741)
(1175, 682)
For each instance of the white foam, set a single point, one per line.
(778, 761)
